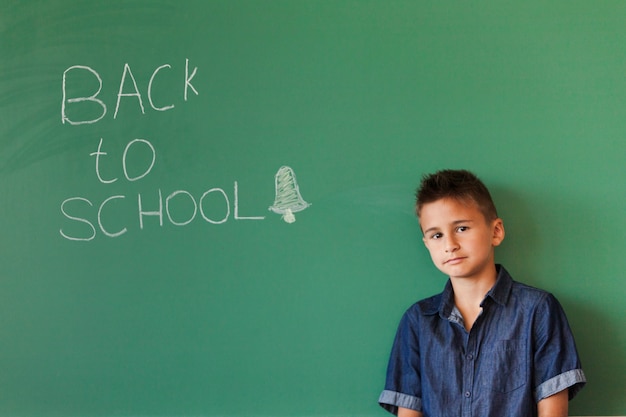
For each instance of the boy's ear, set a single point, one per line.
(498, 232)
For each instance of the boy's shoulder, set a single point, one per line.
(430, 305)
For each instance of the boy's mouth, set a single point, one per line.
(455, 260)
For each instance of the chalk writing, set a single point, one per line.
(88, 219)
(199, 205)
(100, 153)
(78, 72)
(211, 198)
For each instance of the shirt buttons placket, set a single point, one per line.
(470, 358)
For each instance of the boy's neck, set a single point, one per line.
(470, 292)
(475, 287)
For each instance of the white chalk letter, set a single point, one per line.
(150, 90)
(237, 217)
(147, 171)
(120, 94)
(167, 208)
(213, 190)
(121, 232)
(91, 98)
(97, 155)
(150, 213)
(188, 78)
(78, 219)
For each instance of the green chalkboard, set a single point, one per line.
(207, 205)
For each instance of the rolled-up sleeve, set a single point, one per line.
(556, 362)
(403, 382)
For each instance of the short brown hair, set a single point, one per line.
(457, 184)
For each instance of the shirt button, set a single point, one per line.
(467, 394)
(470, 357)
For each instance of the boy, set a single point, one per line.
(486, 346)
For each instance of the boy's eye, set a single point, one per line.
(462, 229)
(436, 236)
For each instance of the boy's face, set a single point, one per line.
(460, 240)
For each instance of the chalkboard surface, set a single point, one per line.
(207, 205)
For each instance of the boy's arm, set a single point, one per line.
(407, 412)
(553, 406)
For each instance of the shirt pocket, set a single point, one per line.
(506, 365)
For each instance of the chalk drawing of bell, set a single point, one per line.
(288, 200)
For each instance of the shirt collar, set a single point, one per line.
(499, 293)
(502, 288)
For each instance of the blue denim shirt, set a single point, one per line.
(519, 351)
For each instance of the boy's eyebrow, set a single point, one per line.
(456, 222)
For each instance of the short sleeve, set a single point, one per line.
(556, 362)
(403, 382)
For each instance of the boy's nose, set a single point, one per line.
(451, 245)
